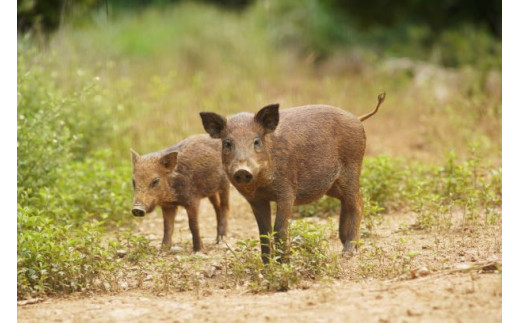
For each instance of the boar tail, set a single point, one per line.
(380, 100)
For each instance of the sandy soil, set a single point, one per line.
(449, 292)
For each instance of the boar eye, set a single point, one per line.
(226, 144)
(155, 182)
(257, 143)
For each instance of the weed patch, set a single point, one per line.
(311, 259)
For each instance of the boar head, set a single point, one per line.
(245, 144)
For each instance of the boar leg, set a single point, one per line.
(222, 217)
(281, 226)
(346, 189)
(214, 199)
(168, 217)
(193, 209)
(350, 215)
(262, 211)
(349, 221)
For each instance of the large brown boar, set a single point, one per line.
(294, 157)
(182, 175)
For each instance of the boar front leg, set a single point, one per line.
(262, 211)
(193, 218)
(220, 202)
(169, 213)
(224, 212)
(281, 227)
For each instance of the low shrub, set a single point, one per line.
(310, 259)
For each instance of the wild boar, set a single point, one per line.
(294, 157)
(182, 175)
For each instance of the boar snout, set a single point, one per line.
(138, 210)
(242, 176)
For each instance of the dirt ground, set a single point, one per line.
(456, 287)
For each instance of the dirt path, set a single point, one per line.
(455, 298)
(444, 295)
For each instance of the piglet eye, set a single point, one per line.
(257, 143)
(155, 182)
(227, 144)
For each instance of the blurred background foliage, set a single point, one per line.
(96, 78)
(448, 32)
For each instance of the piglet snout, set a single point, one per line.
(138, 210)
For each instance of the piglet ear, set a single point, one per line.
(214, 124)
(135, 156)
(268, 117)
(169, 160)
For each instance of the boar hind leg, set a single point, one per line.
(350, 220)
(346, 189)
(169, 218)
(193, 220)
(262, 211)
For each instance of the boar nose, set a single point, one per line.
(242, 176)
(138, 210)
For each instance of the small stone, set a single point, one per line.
(423, 271)
(123, 285)
(420, 272)
(490, 268)
(121, 253)
(176, 249)
(210, 272)
(462, 267)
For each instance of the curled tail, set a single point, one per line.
(380, 100)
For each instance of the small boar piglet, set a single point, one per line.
(294, 157)
(182, 175)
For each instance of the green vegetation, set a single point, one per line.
(139, 79)
(390, 184)
(310, 259)
(69, 191)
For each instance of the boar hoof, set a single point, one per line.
(348, 249)
(221, 238)
(166, 246)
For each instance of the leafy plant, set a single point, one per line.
(310, 259)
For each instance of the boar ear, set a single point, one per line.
(268, 117)
(135, 156)
(213, 123)
(169, 160)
